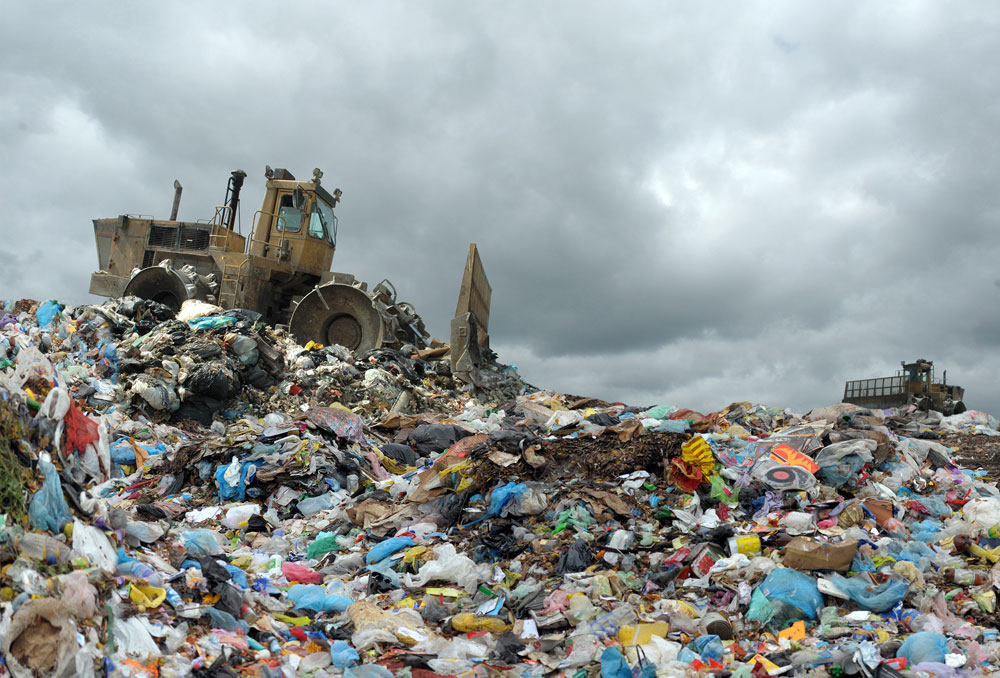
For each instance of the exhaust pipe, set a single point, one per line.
(177, 200)
(235, 184)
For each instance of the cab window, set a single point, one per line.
(323, 223)
(289, 216)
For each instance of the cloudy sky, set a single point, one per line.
(676, 203)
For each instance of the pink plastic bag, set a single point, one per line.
(301, 574)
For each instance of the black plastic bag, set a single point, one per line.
(433, 438)
(576, 558)
(404, 454)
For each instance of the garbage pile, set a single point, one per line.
(197, 495)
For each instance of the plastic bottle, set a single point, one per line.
(581, 610)
(140, 570)
(42, 547)
(467, 622)
(607, 625)
(965, 577)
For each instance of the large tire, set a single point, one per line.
(162, 285)
(338, 314)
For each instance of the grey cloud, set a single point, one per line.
(691, 203)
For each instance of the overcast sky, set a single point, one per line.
(675, 203)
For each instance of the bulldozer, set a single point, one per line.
(281, 271)
(915, 384)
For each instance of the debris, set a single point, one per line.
(216, 500)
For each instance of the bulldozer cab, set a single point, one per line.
(296, 225)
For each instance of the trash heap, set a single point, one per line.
(199, 496)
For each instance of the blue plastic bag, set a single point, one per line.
(862, 563)
(613, 664)
(386, 548)
(237, 492)
(343, 655)
(708, 646)
(503, 497)
(912, 551)
(794, 594)
(238, 575)
(201, 542)
(315, 597)
(122, 451)
(46, 313)
(875, 598)
(367, 671)
(210, 322)
(925, 646)
(925, 530)
(48, 509)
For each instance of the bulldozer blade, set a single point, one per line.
(470, 339)
(338, 314)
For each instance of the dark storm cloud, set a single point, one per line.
(688, 204)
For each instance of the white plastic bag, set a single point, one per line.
(91, 542)
(448, 565)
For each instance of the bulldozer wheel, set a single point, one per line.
(338, 314)
(158, 284)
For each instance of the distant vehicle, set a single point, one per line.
(913, 385)
(282, 271)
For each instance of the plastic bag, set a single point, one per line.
(925, 646)
(723, 493)
(202, 542)
(232, 479)
(300, 573)
(875, 598)
(237, 515)
(613, 664)
(386, 548)
(48, 509)
(32, 363)
(313, 597)
(448, 565)
(47, 312)
(310, 506)
(430, 438)
(576, 558)
(322, 544)
(367, 671)
(708, 646)
(210, 322)
(982, 511)
(531, 502)
(79, 595)
(502, 497)
(93, 544)
(47, 622)
(793, 594)
(840, 462)
(343, 655)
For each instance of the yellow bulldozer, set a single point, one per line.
(282, 271)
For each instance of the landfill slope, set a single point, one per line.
(197, 495)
